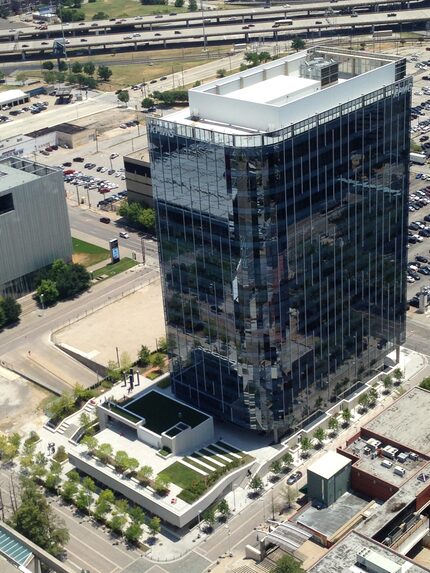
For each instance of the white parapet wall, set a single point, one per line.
(149, 500)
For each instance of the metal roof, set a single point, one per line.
(10, 96)
(13, 549)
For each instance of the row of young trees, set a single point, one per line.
(125, 464)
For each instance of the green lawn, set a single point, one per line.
(111, 269)
(180, 475)
(125, 8)
(88, 254)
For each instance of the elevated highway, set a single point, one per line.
(224, 32)
(210, 18)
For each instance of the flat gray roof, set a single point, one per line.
(15, 171)
(329, 519)
(389, 510)
(343, 555)
(373, 465)
(406, 422)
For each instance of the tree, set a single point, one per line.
(88, 484)
(289, 495)
(223, 508)
(121, 505)
(346, 416)
(107, 496)
(387, 381)
(276, 467)
(364, 401)
(154, 526)
(36, 520)
(113, 371)
(125, 361)
(74, 476)
(162, 345)
(101, 509)
(256, 484)
(157, 360)
(287, 459)
(398, 376)
(209, 516)
(137, 514)
(52, 481)
(84, 500)
(144, 475)
(100, 16)
(60, 407)
(298, 44)
(147, 102)
(192, 6)
(89, 68)
(333, 424)
(161, 485)
(48, 292)
(221, 73)
(133, 532)
(373, 396)
(117, 523)
(2, 317)
(48, 65)
(305, 445)
(76, 67)
(425, 383)
(69, 490)
(4, 11)
(11, 309)
(104, 453)
(179, 3)
(62, 66)
(8, 449)
(287, 564)
(120, 461)
(104, 73)
(123, 96)
(319, 435)
(143, 356)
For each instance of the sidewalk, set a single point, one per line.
(246, 512)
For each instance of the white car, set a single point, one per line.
(114, 155)
(103, 170)
(123, 234)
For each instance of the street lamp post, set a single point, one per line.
(41, 300)
(264, 508)
(273, 503)
(198, 518)
(228, 539)
(203, 26)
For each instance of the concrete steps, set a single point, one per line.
(28, 304)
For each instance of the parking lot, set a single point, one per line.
(93, 178)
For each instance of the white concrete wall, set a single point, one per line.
(260, 116)
(191, 439)
(147, 437)
(149, 501)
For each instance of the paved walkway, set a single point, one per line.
(247, 514)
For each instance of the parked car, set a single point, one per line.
(79, 159)
(104, 220)
(294, 477)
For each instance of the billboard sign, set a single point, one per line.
(114, 251)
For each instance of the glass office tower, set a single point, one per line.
(283, 250)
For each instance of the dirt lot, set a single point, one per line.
(126, 324)
(20, 403)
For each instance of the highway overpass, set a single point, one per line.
(230, 32)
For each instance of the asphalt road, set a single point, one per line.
(139, 22)
(222, 31)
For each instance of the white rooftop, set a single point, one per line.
(279, 93)
(276, 90)
(11, 95)
(329, 464)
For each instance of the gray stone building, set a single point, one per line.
(34, 223)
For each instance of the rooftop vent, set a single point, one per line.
(320, 69)
(374, 562)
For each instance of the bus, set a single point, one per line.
(281, 23)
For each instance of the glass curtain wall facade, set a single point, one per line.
(283, 262)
